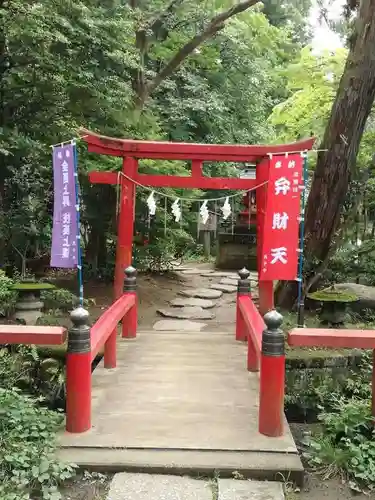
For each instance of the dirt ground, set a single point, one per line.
(317, 489)
(157, 290)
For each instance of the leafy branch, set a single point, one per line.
(217, 23)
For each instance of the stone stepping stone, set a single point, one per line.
(133, 486)
(201, 293)
(192, 302)
(192, 272)
(231, 489)
(217, 274)
(224, 288)
(228, 281)
(186, 313)
(178, 325)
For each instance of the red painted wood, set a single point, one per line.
(175, 181)
(271, 395)
(32, 335)
(78, 392)
(266, 297)
(129, 323)
(124, 247)
(110, 350)
(254, 329)
(171, 156)
(196, 168)
(241, 330)
(108, 321)
(225, 151)
(320, 337)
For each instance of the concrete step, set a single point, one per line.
(255, 465)
(132, 486)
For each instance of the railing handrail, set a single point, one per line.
(108, 321)
(253, 320)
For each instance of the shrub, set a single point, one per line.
(28, 467)
(346, 443)
(7, 296)
(60, 298)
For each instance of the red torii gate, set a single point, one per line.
(133, 150)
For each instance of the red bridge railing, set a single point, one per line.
(337, 339)
(265, 354)
(85, 343)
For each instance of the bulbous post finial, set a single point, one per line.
(130, 282)
(243, 287)
(273, 343)
(79, 332)
(79, 317)
(273, 320)
(244, 273)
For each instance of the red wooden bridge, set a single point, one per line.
(180, 403)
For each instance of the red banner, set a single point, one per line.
(281, 221)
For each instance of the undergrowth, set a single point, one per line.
(29, 468)
(345, 444)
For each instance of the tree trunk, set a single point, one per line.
(354, 100)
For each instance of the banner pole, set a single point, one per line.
(79, 250)
(301, 302)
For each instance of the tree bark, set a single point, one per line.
(352, 106)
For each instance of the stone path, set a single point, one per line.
(203, 289)
(130, 486)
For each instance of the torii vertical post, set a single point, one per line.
(125, 223)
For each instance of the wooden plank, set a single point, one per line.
(176, 181)
(226, 152)
(92, 148)
(32, 335)
(320, 337)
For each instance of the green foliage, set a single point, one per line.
(312, 82)
(7, 295)
(345, 445)
(62, 299)
(71, 64)
(28, 467)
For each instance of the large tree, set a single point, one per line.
(340, 144)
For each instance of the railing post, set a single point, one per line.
(243, 288)
(78, 373)
(272, 377)
(129, 323)
(110, 350)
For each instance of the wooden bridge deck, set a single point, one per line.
(180, 402)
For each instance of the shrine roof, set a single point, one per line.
(188, 151)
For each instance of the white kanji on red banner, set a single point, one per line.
(280, 220)
(282, 186)
(279, 255)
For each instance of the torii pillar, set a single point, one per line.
(125, 228)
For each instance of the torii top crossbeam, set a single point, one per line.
(187, 151)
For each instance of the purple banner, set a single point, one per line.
(64, 233)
